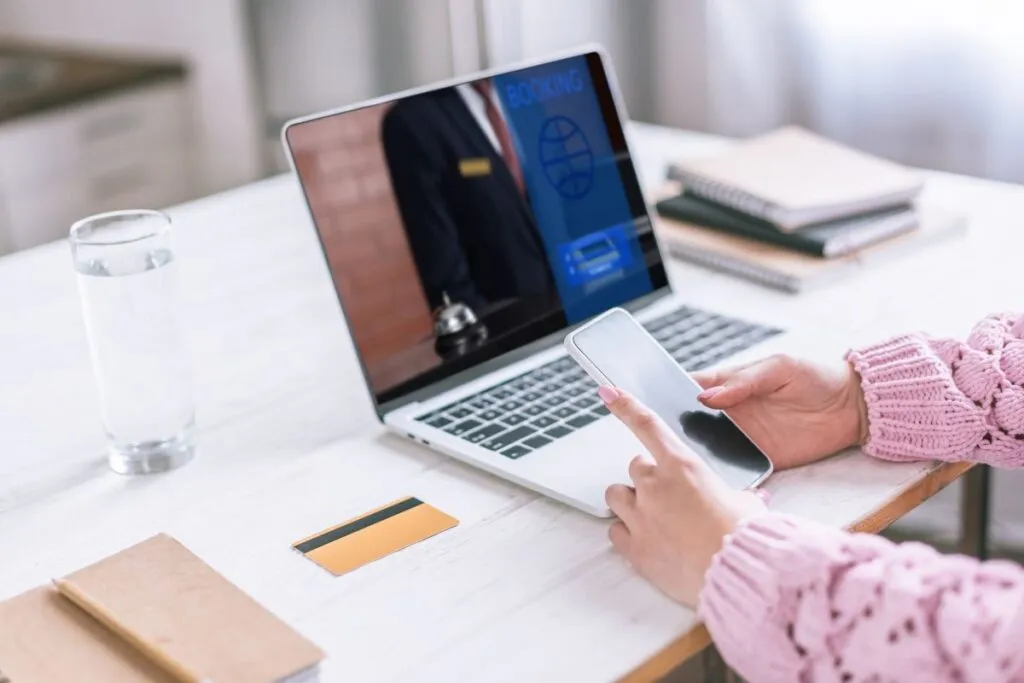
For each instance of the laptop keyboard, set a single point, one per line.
(532, 410)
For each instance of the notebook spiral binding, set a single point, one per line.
(728, 196)
(732, 266)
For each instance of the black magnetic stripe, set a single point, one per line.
(352, 527)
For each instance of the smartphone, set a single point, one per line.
(615, 350)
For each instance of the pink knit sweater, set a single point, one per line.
(789, 600)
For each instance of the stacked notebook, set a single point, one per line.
(792, 210)
(154, 612)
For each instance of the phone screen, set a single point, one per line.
(631, 359)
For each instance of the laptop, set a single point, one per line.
(469, 225)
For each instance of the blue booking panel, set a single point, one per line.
(604, 254)
(575, 186)
(566, 157)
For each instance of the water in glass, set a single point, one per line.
(127, 297)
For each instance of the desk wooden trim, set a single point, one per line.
(696, 639)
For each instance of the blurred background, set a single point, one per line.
(113, 103)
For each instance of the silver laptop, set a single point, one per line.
(467, 227)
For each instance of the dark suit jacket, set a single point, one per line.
(472, 237)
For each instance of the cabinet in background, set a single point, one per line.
(81, 135)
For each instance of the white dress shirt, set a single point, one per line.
(477, 107)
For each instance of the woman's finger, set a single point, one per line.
(759, 379)
(621, 500)
(640, 469)
(619, 535)
(653, 433)
(708, 379)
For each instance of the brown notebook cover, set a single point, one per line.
(44, 638)
(163, 596)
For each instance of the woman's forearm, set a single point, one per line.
(789, 600)
(932, 399)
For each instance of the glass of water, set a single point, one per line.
(125, 268)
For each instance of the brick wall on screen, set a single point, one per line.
(343, 168)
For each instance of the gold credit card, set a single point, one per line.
(374, 535)
(469, 168)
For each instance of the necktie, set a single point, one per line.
(508, 150)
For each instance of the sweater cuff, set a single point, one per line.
(742, 600)
(912, 401)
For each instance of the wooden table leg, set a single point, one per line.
(974, 511)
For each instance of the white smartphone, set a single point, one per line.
(615, 350)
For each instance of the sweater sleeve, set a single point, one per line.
(790, 600)
(939, 399)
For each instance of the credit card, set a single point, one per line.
(374, 535)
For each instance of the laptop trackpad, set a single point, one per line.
(583, 464)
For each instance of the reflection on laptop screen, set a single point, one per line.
(513, 196)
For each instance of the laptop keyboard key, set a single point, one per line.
(439, 422)
(501, 394)
(460, 412)
(514, 419)
(533, 410)
(554, 401)
(584, 402)
(490, 415)
(530, 396)
(581, 421)
(509, 406)
(564, 412)
(544, 421)
(485, 432)
(601, 410)
(480, 403)
(515, 452)
(575, 391)
(463, 427)
(508, 438)
(563, 364)
(558, 431)
(537, 441)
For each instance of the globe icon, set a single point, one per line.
(566, 157)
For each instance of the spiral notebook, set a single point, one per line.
(790, 270)
(794, 178)
(825, 240)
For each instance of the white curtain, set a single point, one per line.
(933, 83)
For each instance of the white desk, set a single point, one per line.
(524, 588)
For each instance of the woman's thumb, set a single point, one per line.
(758, 379)
(725, 396)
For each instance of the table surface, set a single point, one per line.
(525, 588)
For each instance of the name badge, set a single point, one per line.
(472, 168)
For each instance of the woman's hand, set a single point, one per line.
(795, 411)
(675, 517)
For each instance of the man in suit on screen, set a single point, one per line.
(458, 179)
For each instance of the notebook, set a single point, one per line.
(793, 271)
(44, 638)
(828, 240)
(165, 600)
(793, 178)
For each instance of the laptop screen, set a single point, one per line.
(467, 221)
